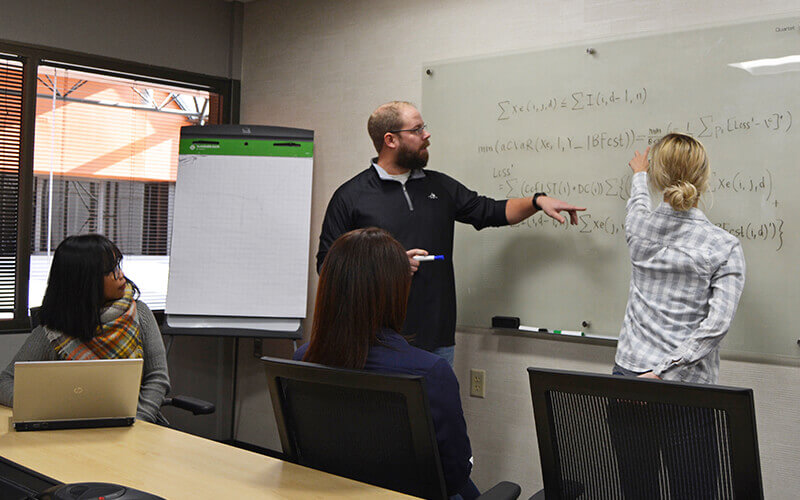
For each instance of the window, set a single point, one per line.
(90, 144)
(105, 161)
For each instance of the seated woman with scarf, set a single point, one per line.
(90, 311)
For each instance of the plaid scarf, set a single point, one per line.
(117, 336)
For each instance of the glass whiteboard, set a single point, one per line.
(566, 121)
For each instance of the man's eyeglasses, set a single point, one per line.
(420, 131)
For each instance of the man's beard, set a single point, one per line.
(412, 160)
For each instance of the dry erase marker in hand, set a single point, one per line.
(426, 258)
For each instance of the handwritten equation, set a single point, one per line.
(510, 185)
(619, 187)
(621, 140)
(587, 224)
(768, 232)
(613, 187)
(708, 126)
(742, 182)
(703, 127)
(574, 101)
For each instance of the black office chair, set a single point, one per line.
(602, 436)
(374, 428)
(188, 403)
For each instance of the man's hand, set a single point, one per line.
(639, 163)
(414, 263)
(649, 375)
(552, 207)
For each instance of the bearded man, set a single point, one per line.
(419, 208)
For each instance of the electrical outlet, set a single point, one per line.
(477, 383)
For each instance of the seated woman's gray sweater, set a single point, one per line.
(155, 379)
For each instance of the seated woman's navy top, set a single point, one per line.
(395, 355)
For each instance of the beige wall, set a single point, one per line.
(190, 35)
(325, 65)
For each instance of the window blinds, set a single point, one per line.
(10, 151)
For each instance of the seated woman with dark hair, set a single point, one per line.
(361, 305)
(90, 311)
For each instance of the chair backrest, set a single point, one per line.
(604, 436)
(35, 317)
(374, 428)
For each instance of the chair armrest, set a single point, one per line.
(504, 490)
(572, 490)
(539, 495)
(194, 405)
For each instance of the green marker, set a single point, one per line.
(569, 332)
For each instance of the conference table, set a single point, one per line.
(171, 464)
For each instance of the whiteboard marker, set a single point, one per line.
(426, 258)
(532, 328)
(569, 332)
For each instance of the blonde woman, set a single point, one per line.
(686, 281)
(687, 274)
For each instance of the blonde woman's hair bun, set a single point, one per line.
(681, 196)
(680, 169)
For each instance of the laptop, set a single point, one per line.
(75, 394)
